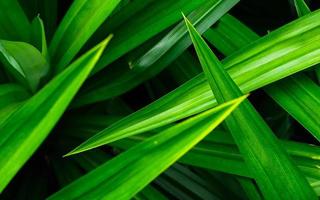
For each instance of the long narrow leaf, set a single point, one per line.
(157, 17)
(269, 59)
(157, 57)
(301, 7)
(20, 136)
(14, 24)
(298, 95)
(275, 173)
(79, 23)
(134, 169)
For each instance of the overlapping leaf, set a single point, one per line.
(137, 167)
(14, 24)
(24, 62)
(79, 23)
(20, 136)
(155, 58)
(155, 18)
(274, 172)
(290, 49)
(216, 152)
(298, 95)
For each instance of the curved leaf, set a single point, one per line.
(20, 136)
(24, 62)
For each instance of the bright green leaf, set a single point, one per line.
(298, 95)
(155, 58)
(274, 171)
(20, 136)
(134, 169)
(281, 53)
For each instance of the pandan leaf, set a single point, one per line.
(24, 131)
(274, 172)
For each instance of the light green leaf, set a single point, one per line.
(24, 62)
(216, 152)
(298, 95)
(14, 24)
(134, 169)
(273, 170)
(79, 23)
(155, 58)
(281, 53)
(24, 131)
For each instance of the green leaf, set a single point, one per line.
(150, 193)
(290, 49)
(79, 23)
(204, 17)
(48, 10)
(10, 93)
(14, 24)
(298, 95)
(134, 169)
(181, 183)
(122, 13)
(24, 131)
(39, 37)
(301, 7)
(24, 62)
(230, 35)
(143, 26)
(275, 173)
(250, 188)
(156, 57)
(218, 152)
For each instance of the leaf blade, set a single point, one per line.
(22, 136)
(167, 147)
(79, 23)
(273, 170)
(254, 70)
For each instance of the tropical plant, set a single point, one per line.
(145, 99)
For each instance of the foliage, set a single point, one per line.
(107, 99)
